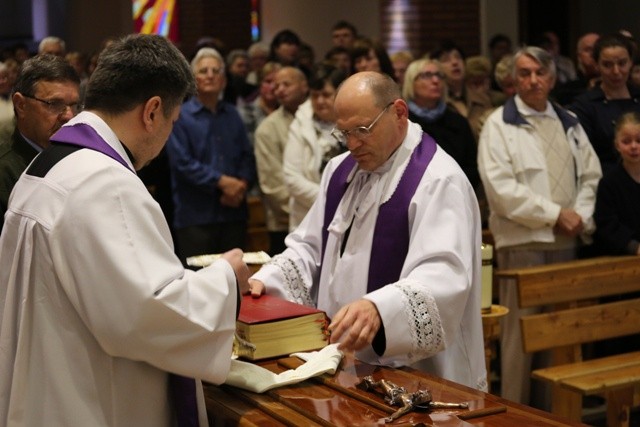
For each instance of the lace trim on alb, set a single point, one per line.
(483, 385)
(427, 334)
(295, 287)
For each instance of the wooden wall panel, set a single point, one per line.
(426, 23)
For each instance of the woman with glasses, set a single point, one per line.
(311, 145)
(425, 91)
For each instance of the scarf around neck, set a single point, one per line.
(430, 115)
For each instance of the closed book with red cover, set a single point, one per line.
(277, 327)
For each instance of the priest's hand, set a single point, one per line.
(355, 325)
(234, 257)
(256, 287)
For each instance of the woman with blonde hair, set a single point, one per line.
(425, 91)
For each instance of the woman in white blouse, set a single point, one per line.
(310, 145)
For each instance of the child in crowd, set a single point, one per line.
(617, 211)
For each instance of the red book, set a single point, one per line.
(277, 327)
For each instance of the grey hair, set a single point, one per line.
(539, 55)
(257, 48)
(207, 52)
(235, 54)
(51, 39)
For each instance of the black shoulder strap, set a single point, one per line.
(43, 163)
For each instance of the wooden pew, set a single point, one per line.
(573, 316)
(257, 234)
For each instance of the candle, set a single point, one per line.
(487, 277)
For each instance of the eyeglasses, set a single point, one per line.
(361, 132)
(428, 75)
(57, 106)
(214, 70)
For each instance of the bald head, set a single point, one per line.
(372, 116)
(290, 88)
(376, 86)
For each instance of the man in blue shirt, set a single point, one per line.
(212, 166)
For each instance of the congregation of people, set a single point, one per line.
(541, 151)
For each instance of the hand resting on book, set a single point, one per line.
(256, 288)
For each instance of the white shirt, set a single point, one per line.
(95, 308)
(431, 315)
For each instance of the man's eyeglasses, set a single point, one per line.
(215, 71)
(361, 132)
(428, 75)
(57, 106)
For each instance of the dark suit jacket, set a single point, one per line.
(15, 156)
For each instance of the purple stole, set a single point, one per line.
(83, 135)
(391, 235)
(183, 390)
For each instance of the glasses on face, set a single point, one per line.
(216, 71)
(361, 132)
(428, 75)
(57, 106)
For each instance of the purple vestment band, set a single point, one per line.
(391, 236)
(83, 135)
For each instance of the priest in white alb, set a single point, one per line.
(391, 247)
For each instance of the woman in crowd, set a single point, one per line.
(425, 91)
(369, 56)
(285, 48)
(452, 59)
(617, 211)
(600, 107)
(310, 145)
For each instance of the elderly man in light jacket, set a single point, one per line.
(540, 175)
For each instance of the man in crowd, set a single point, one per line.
(45, 96)
(291, 90)
(343, 34)
(391, 248)
(212, 165)
(588, 73)
(94, 305)
(540, 175)
(52, 46)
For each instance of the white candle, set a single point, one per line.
(487, 277)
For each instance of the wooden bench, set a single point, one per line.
(573, 316)
(257, 234)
